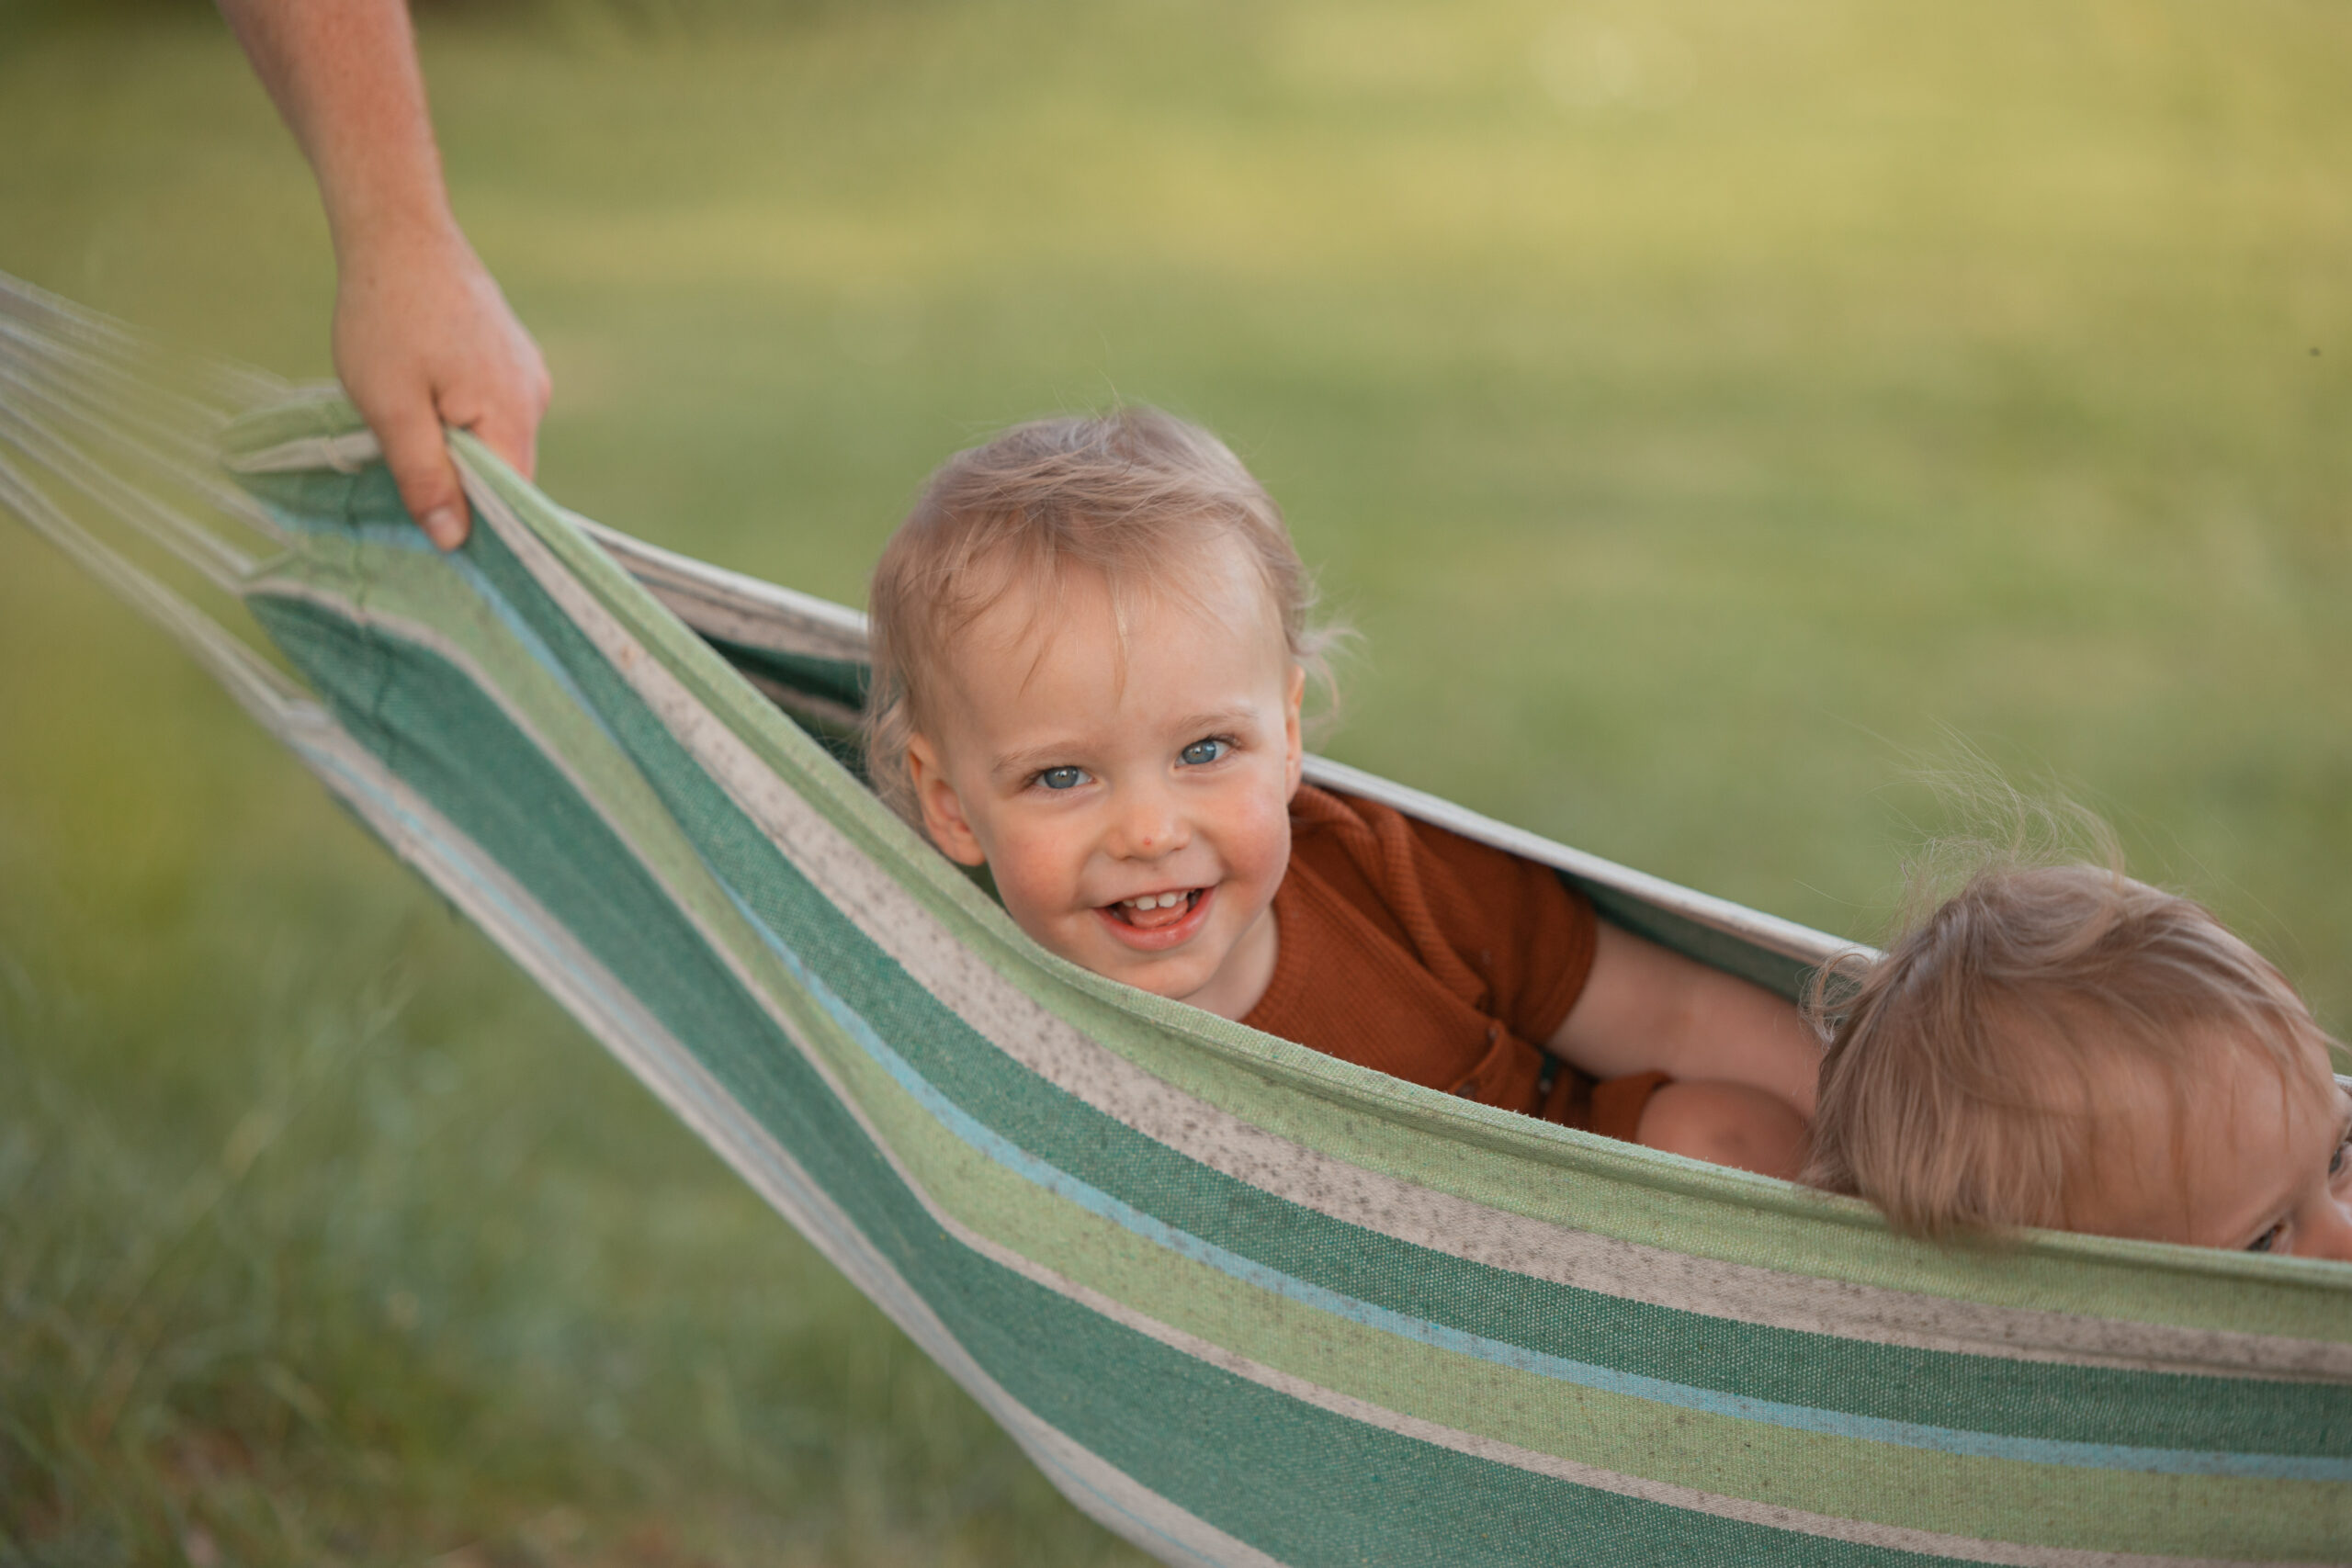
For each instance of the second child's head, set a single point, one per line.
(2064, 1046)
(1090, 646)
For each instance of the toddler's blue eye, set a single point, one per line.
(1062, 778)
(2266, 1241)
(1201, 751)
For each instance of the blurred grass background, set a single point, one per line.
(1706, 410)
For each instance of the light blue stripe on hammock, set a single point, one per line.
(1584, 1374)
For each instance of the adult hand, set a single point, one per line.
(423, 338)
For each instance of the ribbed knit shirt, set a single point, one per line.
(1406, 948)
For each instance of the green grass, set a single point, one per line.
(1705, 411)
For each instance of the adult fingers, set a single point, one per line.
(419, 460)
(510, 424)
(500, 405)
(512, 436)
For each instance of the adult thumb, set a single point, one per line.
(418, 456)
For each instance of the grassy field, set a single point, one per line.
(1706, 413)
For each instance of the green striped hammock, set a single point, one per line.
(1244, 1304)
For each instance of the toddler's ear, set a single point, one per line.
(943, 811)
(1294, 739)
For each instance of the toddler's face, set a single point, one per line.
(1134, 812)
(2243, 1160)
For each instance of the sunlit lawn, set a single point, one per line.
(1707, 412)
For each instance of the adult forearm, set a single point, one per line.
(344, 74)
(424, 339)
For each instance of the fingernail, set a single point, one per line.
(441, 526)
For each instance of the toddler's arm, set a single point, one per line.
(1647, 1008)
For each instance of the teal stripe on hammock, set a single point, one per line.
(1241, 1456)
(2094, 1407)
(404, 537)
(835, 680)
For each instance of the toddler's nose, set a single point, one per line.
(1150, 827)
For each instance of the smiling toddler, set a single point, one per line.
(1091, 648)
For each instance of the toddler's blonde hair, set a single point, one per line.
(1960, 1083)
(1138, 498)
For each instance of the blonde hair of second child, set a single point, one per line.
(2063, 1046)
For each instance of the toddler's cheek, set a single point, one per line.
(1264, 853)
(1039, 905)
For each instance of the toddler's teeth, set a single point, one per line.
(1157, 901)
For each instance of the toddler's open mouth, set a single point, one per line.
(1172, 920)
(1155, 911)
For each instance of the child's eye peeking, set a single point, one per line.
(2338, 1160)
(2268, 1239)
(1062, 778)
(1203, 751)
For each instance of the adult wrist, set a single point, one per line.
(412, 223)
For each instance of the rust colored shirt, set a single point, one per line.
(1417, 952)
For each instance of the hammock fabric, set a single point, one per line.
(1242, 1302)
